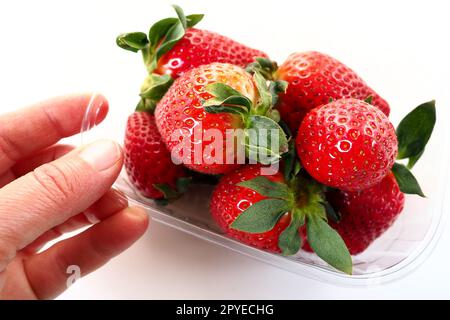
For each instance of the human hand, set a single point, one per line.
(47, 189)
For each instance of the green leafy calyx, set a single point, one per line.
(263, 66)
(163, 35)
(303, 201)
(152, 90)
(170, 193)
(265, 141)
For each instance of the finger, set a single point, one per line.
(6, 178)
(112, 202)
(25, 131)
(54, 192)
(29, 164)
(46, 155)
(48, 271)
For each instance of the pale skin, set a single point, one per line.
(48, 189)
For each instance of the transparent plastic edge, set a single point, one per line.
(395, 272)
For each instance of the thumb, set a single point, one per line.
(54, 192)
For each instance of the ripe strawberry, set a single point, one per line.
(235, 100)
(174, 47)
(199, 47)
(313, 79)
(347, 144)
(266, 212)
(365, 215)
(229, 200)
(147, 160)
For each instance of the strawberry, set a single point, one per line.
(266, 212)
(347, 144)
(229, 200)
(313, 79)
(199, 47)
(216, 100)
(362, 216)
(365, 215)
(174, 47)
(282, 213)
(148, 162)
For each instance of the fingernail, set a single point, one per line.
(120, 198)
(101, 155)
(137, 213)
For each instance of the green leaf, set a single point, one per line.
(259, 143)
(264, 66)
(236, 101)
(297, 168)
(134, 41)
(331, 213)
(183, 184)
(162, 202)
(289, 159)
(267, 64)
(226, 99)
(146, 105)
(285, 128)
(156, 86)
(274, 114)
(223, 92)
(406, 180)
(167, 191)
(225, 109)
(193, 19)
(175, 34)
(164, 34)
(261, 216)
(413, 160)
(152, 90)
(415, 130)
(275, 88)
(369, 100)
(181, 16)
(289, 240)
(328, 244)
(267, 188)
(187, 21)
(265, 97)
(159, 30)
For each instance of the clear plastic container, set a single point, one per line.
(396, 253)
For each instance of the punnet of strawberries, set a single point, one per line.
(303, 155)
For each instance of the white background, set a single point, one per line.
(53, 47)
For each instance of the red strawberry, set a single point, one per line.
(181, 117)
(174, 47)
(313, 79)
(266, 212)
(199, 47)
(229, 201)
(366, 215)
(147, 160)
(347, 144)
